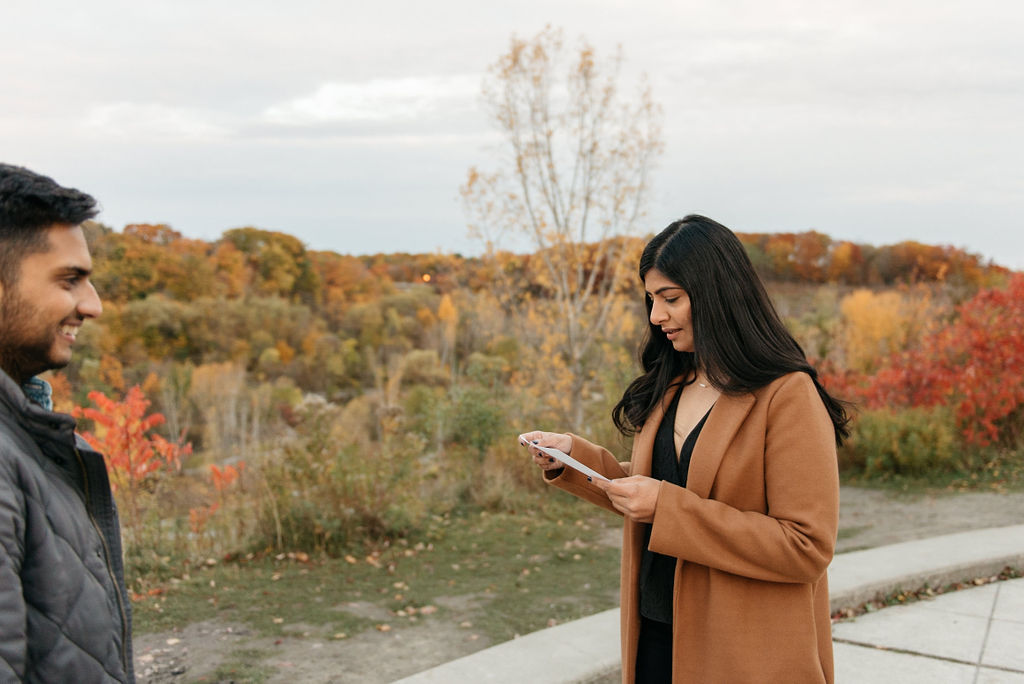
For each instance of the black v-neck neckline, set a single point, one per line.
(675, 467)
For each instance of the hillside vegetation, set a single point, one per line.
(254, 395)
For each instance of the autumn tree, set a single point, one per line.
(876, 325)
(279, 262)
(575, 172)
(123, 435)
(973, 364)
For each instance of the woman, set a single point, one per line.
(731, 495)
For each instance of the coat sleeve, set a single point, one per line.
(575, 482)
(793, 539)
(13, 646)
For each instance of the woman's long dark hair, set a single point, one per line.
(738, 338)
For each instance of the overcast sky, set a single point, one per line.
(352, 124)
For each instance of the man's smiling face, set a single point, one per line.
(42, 311)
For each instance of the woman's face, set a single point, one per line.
(670, 310)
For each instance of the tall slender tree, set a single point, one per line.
(574, 174)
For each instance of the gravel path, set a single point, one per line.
(869, 517)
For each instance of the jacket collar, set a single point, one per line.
(31, 416)
(727, 415)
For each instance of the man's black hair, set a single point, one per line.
(29, 204)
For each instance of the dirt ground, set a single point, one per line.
(868, 518)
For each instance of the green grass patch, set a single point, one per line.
(497, 574)
(242, 667)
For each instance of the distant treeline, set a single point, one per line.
(147, 259)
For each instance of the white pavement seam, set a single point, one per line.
(988, 630)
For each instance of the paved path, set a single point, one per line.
(975, 636)
(970, 636)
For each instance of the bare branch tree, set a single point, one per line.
(576, 174)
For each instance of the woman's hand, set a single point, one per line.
(554, 440)
(635, 497)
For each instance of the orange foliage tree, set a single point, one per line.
(223, 479)
(122, 435)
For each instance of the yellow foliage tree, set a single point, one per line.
(449, 317)
(878, 324)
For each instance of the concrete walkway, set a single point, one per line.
(973, 636)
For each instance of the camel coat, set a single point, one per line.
(754, 531)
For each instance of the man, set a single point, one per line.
(64, 612)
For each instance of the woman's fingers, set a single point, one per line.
(527, 437)
(635, 497)
(554, 440)
(532, 439)
(541, 459)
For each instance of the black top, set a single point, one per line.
(657, 572)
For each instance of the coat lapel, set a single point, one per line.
(725, 420)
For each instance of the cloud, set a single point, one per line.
(152, 121)
(377, 100)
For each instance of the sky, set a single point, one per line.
(351, 125)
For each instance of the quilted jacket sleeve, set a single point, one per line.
(12, 603)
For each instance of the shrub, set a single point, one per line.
(328, 487)
(975, 365)
(915, 441)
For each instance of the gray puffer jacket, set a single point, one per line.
(64, 612)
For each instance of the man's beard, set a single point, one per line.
(21, 356)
